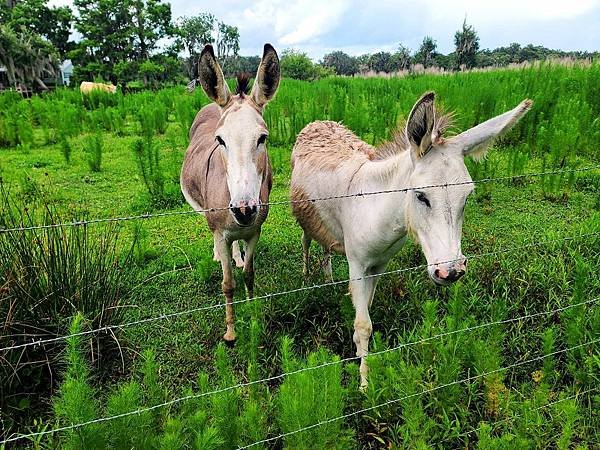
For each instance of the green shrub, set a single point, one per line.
(65, 148)
(307, 398)
(93, 147)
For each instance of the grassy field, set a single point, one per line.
(549, 402)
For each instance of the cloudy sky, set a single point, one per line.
(320, 26)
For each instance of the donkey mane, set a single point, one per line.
(243, 84)
(399, 141)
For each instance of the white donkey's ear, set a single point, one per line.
(419, 127)
(475, 141)
(212, 78)
(267, 77)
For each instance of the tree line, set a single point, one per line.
(137, 43)
(467, 55)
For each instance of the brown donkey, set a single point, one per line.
(226, 166)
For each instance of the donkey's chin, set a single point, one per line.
(439, 281)
(245, 221)
(244, 224)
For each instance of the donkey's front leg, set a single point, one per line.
(249, 265)
(228, 285)
(362, 289)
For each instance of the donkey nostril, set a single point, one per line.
(437, 273)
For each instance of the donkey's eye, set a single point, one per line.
(221, 141)
(262, 139)
(421, 197)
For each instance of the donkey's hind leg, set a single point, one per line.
(237, 254)
(327, 264)
(306, 240)
(249, 265)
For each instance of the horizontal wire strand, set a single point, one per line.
(282, 293)
(290, 202)
(287, 374)
(406, 397)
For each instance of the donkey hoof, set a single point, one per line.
(229, 338)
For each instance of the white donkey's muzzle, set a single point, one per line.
(447, 273)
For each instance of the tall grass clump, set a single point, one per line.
(185, 113)
(94, 146)
(148, 161)
(46, 277)
(307, 398)
(65, 148)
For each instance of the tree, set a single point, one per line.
(467, 45)
(243, 64)
(227, 43)
(151, 22)
(363, 62)
(426, 52)
(297, 65)
(342, 63)
(27, 57)
(150, 70)
(380, 62)
(34, 16)
(114, 31)
(105, 26)
(401, 59)
(192, 34)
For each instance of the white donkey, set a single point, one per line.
(329, 160)
(226, 164)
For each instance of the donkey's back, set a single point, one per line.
(326, 145)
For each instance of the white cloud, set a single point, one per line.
(294, 22)
(486, 11)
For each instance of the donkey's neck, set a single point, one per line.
(388, 213)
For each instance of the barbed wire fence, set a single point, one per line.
(291, 202)
(109, 328)
(186, 312)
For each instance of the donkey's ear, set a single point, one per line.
(212, 78)
(420, 125)
(475, 141)
(267, 77)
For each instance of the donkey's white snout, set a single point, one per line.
(444, 274)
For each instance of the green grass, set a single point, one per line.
(174, 271)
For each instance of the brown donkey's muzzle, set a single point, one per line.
(244, 213)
